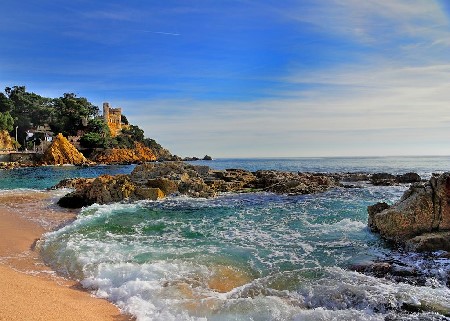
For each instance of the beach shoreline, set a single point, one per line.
(29, 290)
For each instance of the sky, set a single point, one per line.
(246, 78)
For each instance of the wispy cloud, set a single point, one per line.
(375, 21)
(164, 33)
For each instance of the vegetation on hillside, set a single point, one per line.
(68, 114)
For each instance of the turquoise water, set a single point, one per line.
(48, 176)
(256, 256)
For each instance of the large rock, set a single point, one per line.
(105, 189)
(61, 152)
(423, 209)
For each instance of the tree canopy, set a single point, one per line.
(68, 115)
(6, 121)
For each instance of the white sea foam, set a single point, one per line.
(154, 260)
(344, 290)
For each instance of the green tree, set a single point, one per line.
(134, 132)
(5, 103)
(124, 119)
(6, 121)
(98, 125)
(97, 135)
(71, 113)
(92, 140)
(27, 109)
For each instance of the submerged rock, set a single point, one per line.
(420, 219)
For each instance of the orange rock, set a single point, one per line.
(61, 151)
(140, 153)
(6, 142)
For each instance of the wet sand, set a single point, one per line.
(28, 289)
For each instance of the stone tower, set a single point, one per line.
(106, 112)
(113, 118)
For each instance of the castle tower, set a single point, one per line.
(113, 118)
(106, 112)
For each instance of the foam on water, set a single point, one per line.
(238, 257)
(255, 256)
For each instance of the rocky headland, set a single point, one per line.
(420, 220)
(157, 180)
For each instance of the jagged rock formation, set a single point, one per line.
(6, 142)
(140, 153)
(420, 220)
(156, 180)
(61, 151)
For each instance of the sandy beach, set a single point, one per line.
(28, 289)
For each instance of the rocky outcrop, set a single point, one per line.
(105, 189)
(292, 183)
(386, 179)
(6, 142)
(156, 180)
(139, 153)
(61, 152)
(420, 220)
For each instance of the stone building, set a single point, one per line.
(113, 118)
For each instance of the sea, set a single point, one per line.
(250, 256)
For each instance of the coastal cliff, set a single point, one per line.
(156, 180)
(420, 220)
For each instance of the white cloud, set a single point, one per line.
(392, 111)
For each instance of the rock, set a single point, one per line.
(75, 183)
(107, 189)
(156, 180)
(61, 152)
(352, 177)
(6, 142)
(74, 200)
(207, 158)
(423, 208)
(165, 185)
(378, 269)
(383, 179)
(373, 210)
(386, 179)
(139, 153)
(149, 193)
(293, 183)
(429, 242)
(408, 178)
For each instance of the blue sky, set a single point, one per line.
(246, 78)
